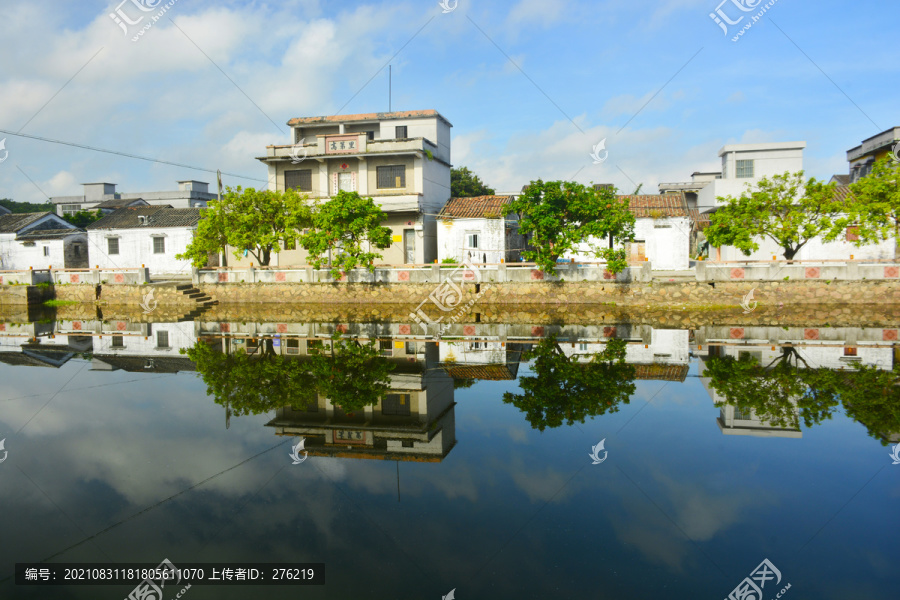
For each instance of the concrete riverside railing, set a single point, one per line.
(846, 270)
(101, 276)
(63, 276)
(482, 273)
(29, 277)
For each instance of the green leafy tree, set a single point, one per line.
(350, 374)
(560, 216)
(258, 221)
(345, 228)
(782, 208)
(876, 206)
(27, 207)
(83, 218)
(253, 384)
(564, 390)
(466, 184)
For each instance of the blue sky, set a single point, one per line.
(529, 85)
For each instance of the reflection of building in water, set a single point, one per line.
(413, 421)
(665, 356)
(39, 344)
(481, 359)
(143, 347)
(826, 354)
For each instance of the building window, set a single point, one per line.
(852, 233)
(112, 245)
(744, 169)
(370, 135)
(395, 405)
(400, 132)
(472, 239)
(162, 339)
(387, 348)
(76, 250)
(393, 176)
(745, 414)
(582, 347)
(46, 250)
(159, 245)
(300, 180)
(118, 341)
(70, 209)
(293, 346)
(410, 347)
(725, 167)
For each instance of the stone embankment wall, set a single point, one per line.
(688, 293)
(125, 295)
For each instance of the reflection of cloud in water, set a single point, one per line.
(698, 513)
(518, 434)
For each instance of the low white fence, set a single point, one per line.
(482, 273)
(69, 276)
(797, 270)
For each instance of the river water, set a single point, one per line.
(504, 460)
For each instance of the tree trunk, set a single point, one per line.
(789, 253)
(265, 257)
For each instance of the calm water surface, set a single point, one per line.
(466, 474)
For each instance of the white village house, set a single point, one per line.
(475, 230)
(816, 249)
(746, 164)
(147, 236)
(400, 159)
(41, 240)
(663, 231)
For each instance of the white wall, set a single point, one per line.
(815, 249)
(136, 249)
(491, 239)
(15, 256)
(768, 160)
(469, 353)
(667, 243)
(181, 336)
(667, 346)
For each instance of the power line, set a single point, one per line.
(125, 154)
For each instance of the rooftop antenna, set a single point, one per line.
(390, 67)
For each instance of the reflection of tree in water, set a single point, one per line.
(565, 390)
(350, 374)
(782, 392)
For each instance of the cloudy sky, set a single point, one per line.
(529, 85)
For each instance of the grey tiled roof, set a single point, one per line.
(48, 234)
(15, 222)
(120, 203)
(160, 216)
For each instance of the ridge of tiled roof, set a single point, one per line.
(162, 216)
(661, 372)
(651, 205)
(379, 116)
(476, 207)
(119, 202)
(497, 372)
(48, 234)
(14, 222)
